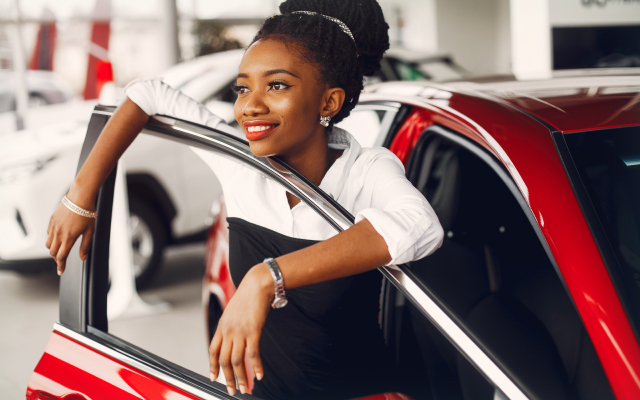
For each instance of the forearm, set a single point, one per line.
(356, 250)
(119, 132)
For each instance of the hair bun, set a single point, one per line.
(363, 17)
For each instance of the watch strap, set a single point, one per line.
(280, 299)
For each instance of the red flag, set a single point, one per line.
(99, 69)
(42, 57)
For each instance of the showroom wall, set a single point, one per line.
(476, 33)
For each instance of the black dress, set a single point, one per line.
(326, 343)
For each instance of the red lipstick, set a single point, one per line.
(256, 130)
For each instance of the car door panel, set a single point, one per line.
(68, 367)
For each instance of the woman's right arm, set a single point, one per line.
(65, 227)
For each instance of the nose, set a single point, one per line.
(255, 104)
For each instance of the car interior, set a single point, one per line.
(493, 276)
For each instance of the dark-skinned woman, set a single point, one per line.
(302, 73)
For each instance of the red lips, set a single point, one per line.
(259, 129)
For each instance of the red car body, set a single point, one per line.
(514, 121)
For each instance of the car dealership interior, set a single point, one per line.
(512, 88)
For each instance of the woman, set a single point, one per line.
(302, 73)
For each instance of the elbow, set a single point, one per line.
(439, 236)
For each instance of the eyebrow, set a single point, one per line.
(271, 72)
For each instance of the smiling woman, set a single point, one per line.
(302, 73)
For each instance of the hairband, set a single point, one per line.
(341, 24)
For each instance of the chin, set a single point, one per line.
(261, 149)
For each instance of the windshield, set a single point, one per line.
(609, 165)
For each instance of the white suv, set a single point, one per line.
(166, 201)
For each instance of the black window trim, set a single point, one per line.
(596, 228)
(83, 290)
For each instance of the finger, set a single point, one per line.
(49, 228)
(54, 245)
(49, 238)
(253, 354)
(214, 356)
(84, 245)
(225, 364)
(61, 257)
(237, 362)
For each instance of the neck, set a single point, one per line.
(315, 158)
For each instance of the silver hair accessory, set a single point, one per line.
(341, 24)
(324, 120)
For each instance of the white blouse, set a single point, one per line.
(368, 182)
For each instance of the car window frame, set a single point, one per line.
(500, 170)
(83, 288)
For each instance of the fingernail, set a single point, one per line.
(59, 272)
(242, 390)
(231, 390)
(211, 377)
(259, 376)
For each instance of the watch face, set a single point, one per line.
(279, 303)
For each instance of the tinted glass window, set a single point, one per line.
(493, 274)
(429, 365)
(609, 165)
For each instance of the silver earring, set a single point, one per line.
(324, 120)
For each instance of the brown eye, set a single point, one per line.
(239, 88)
(278, 85)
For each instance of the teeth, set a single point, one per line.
(258, 128)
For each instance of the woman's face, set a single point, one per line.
(280, 99)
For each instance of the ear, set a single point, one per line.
(332, 101)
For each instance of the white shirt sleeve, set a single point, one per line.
(154, 96)
(399, 212)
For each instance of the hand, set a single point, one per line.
(240, 328)
(64, 229)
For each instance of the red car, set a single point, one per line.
(537, 185)
(533, 295)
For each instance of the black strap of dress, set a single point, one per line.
(326, 343)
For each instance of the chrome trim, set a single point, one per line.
(453, 332)
(121, 357)
(102, 112)
(208, 139)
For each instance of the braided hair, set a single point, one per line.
(342, 63)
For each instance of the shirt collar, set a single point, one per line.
(335, 178)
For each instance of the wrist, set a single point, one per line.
(80, 197)
(262, 280)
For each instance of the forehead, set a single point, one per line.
(270, 54)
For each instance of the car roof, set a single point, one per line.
(568, 103)
(179, 74)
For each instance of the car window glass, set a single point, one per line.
(170, 192)
(493, 274)
(364, 125)
(165, 316)
(430, 365)
(609, 165)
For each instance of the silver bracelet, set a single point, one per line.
(78, 210)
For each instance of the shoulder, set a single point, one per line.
(378, 160)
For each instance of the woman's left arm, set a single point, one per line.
(399, 226)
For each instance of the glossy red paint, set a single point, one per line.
(405, 139)
(217, 260)
(71, 371)
(526, 149)
(573, 104)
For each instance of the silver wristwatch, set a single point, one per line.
(280, 300)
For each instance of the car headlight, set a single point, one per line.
(12, 172)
